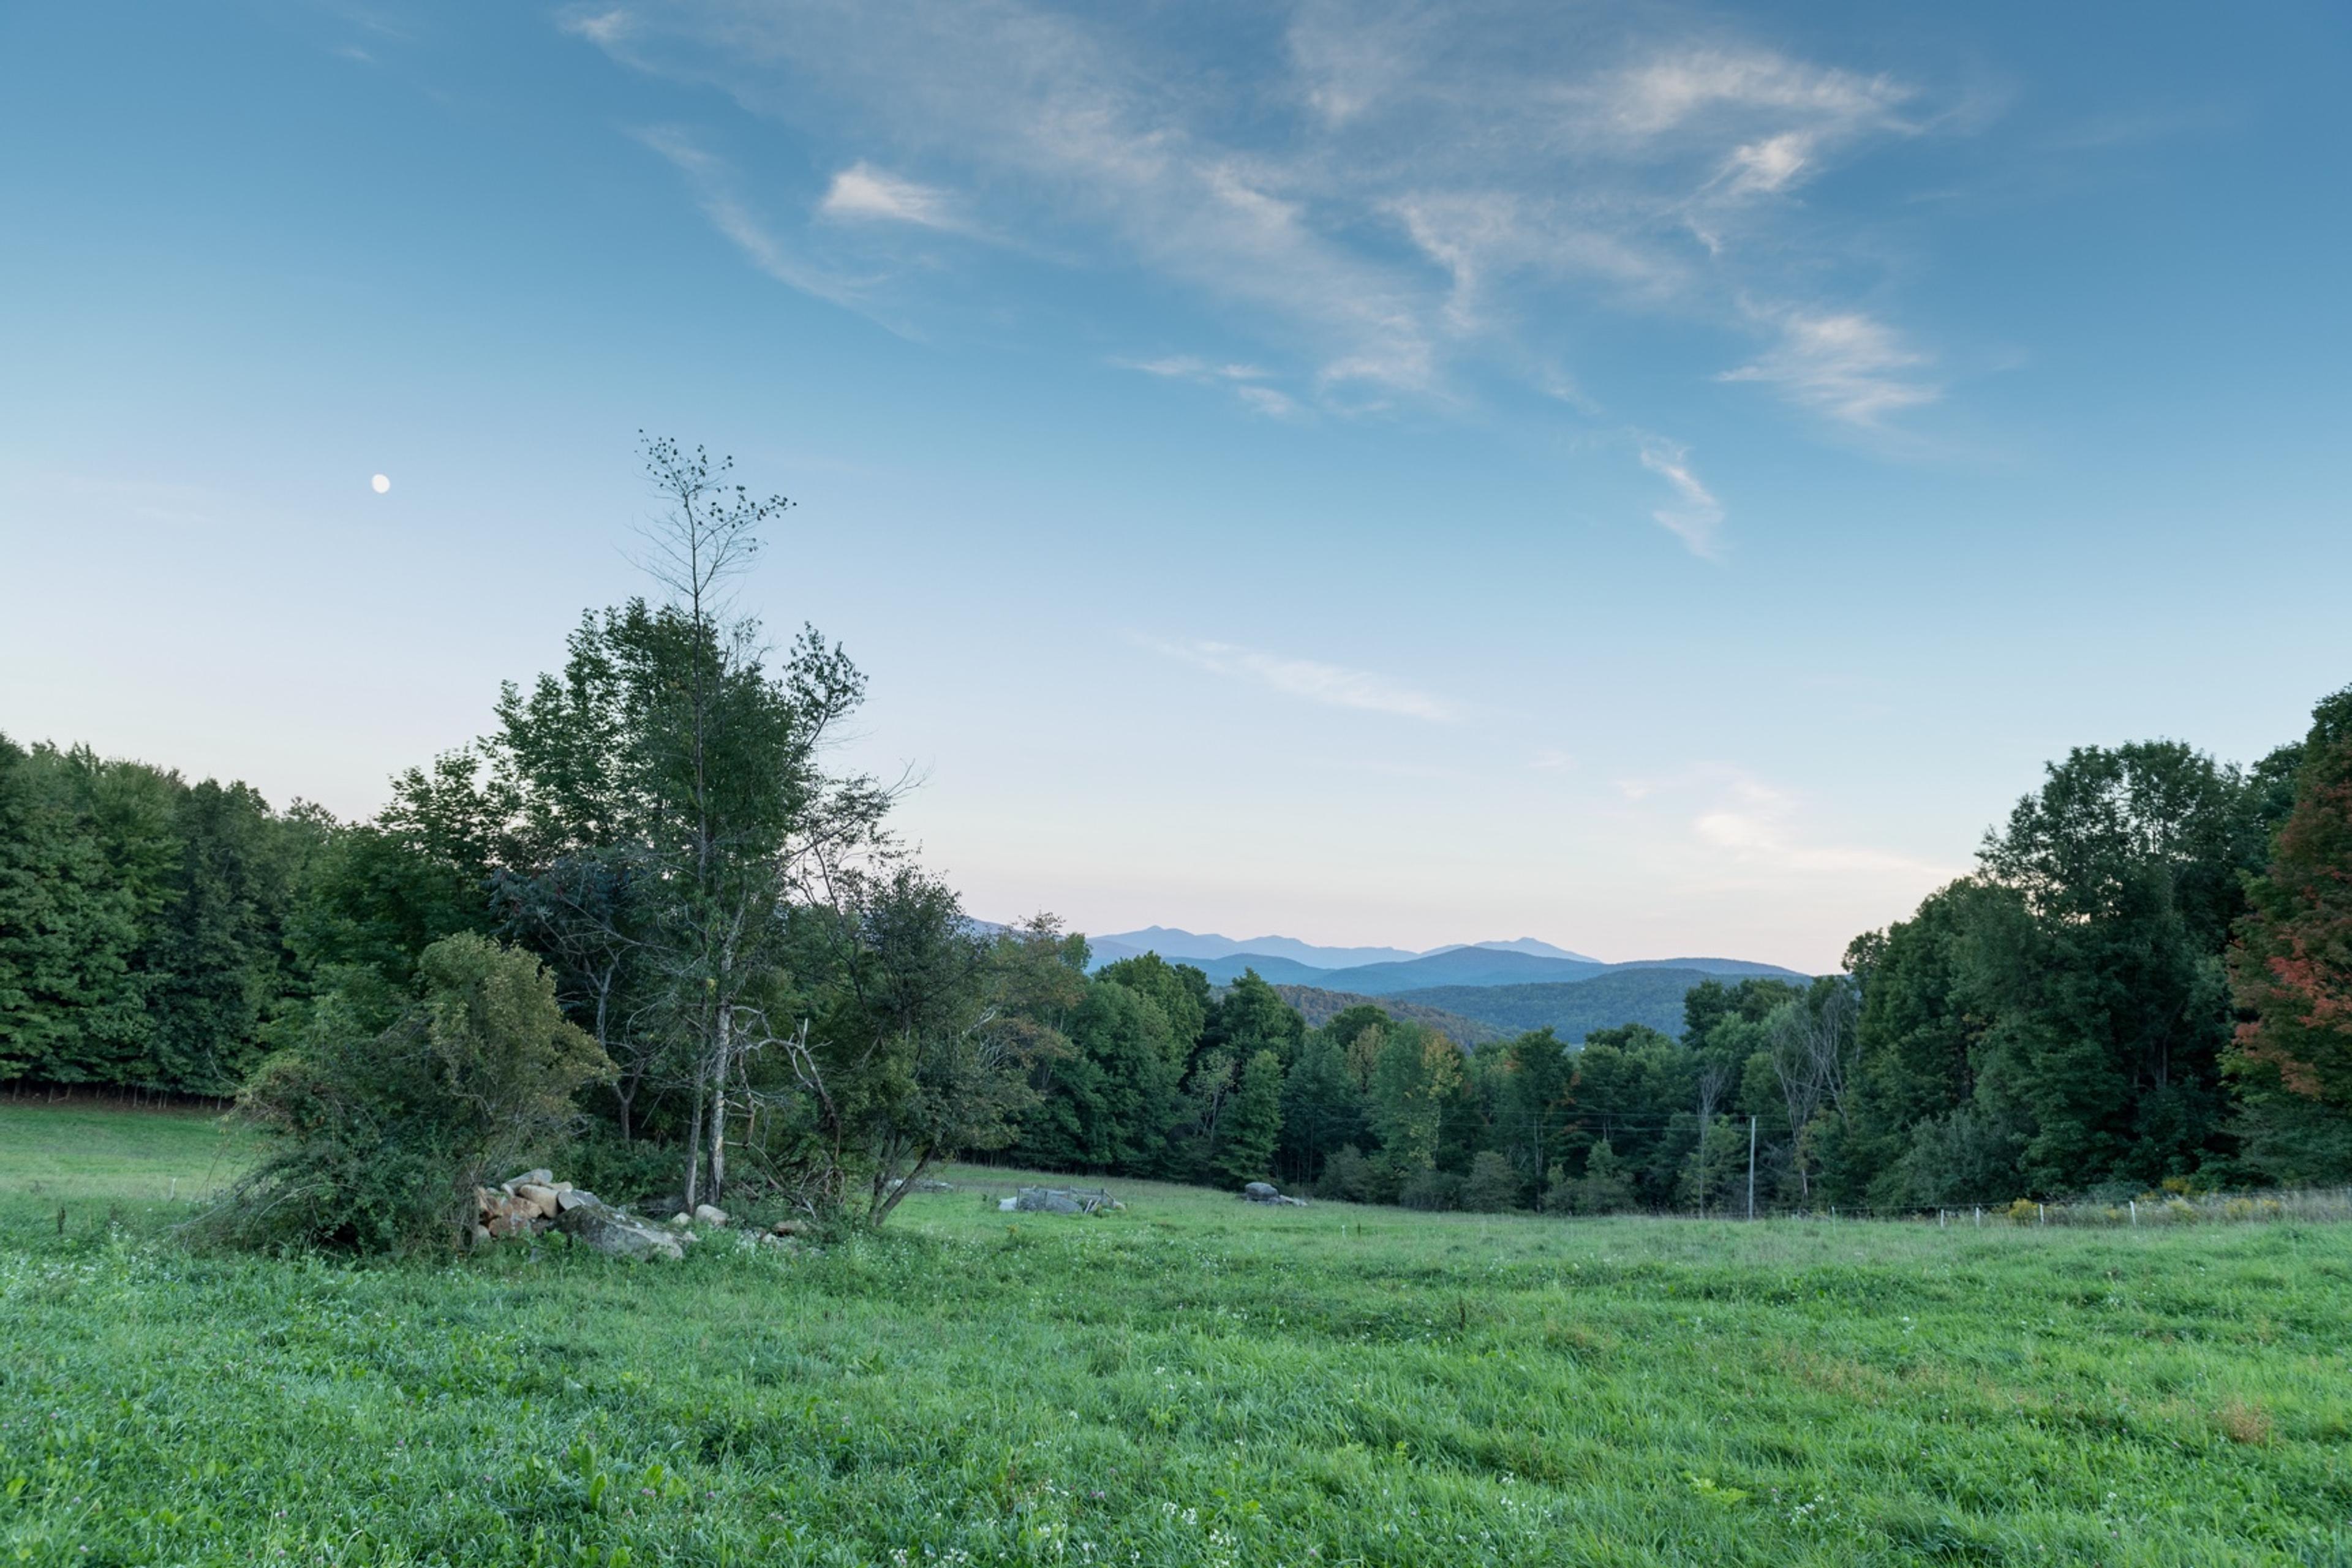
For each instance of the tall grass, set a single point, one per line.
(1194, 1381)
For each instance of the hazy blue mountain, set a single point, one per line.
(1527, 945)
(1461, 966)
(1732, 968)
(1271, 969)
(1192, 947)
(1388, 970)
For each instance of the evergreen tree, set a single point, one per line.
(1252, 1125)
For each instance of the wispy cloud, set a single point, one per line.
(1334, 686)
(862, 193)
(1694, 514)
(1393, 206)
(1845, 364)
(1737, 820)
(1246, 381)
(715, 193)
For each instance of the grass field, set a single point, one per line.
(1194, 1381)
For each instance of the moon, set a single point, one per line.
(378, 484)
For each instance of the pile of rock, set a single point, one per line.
(531, 1202)
(524, 1206)
(1267, 1192)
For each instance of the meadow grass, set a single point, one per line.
(1194, 1381)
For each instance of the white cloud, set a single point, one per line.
(1766, 167)
(1745, 822)
(1266, 400)
(1696, 513)
(1244, 380)
(1843, 363)
(714, 191)
(861, 192)
(1680, 89)
(1332, 685)
(1537, 167)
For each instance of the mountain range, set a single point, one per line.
(1387, 972)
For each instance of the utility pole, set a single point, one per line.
(1751, 1167)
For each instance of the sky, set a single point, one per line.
(1658, 479)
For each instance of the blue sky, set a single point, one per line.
(1660, 480)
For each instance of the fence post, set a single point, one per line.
(2042, 1213)
(1980, 1217)
(2134, 1209)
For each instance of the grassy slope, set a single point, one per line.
(1191, 1382)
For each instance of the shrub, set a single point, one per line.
(1559, 1193)
(1492, 1187)
(1349, 1175)
(1431, 1189)
(380, 1140)
(1605, 1188)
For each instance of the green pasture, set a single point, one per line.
(1194, 1381)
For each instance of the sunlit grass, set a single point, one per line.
(1193, 1381)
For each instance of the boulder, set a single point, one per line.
(1260, 1192)
(511, 1224)
(792, 1228)
(568, 1196)
(681, 1221)
(617, 1235)
(542, 1200)
(1063, 1200)
(538, 1178)
(709, 1214)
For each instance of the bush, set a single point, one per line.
(1492, 1186)
(1433, 1190)
(623, 1173)
(1349, 1175)
(1559, 1193)
(1605, 1187)
(380, 1140)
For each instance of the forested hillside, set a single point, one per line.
(1576, 1008)
(1318, 1007)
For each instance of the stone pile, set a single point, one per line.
(1267, 1193)
(524, 1206)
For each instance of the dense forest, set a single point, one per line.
(2146, 982)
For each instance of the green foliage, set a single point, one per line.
(1322, 1107)
(907, 1062)
(1252, 1124)
(1492, 1185)
(143, 922)
(378, 1140)
(2292, 971)
(1180, 990)
(1250, 1017)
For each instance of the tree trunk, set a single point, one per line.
(694, 1144)
(718, 1103)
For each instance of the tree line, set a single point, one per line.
(647, 916)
